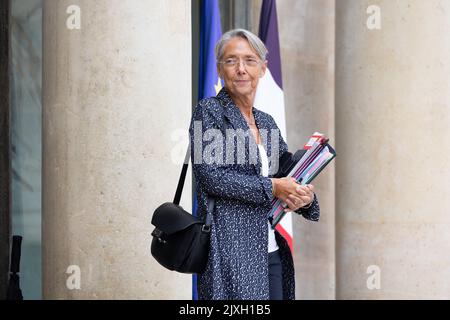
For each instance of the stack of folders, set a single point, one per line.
(305, 165)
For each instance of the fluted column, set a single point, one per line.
(307, 54)
(116, 90)
(306, 32)
(393, 141)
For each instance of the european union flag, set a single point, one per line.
(210, 32)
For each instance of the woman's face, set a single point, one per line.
(242, 78)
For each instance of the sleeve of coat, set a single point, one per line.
(221, 180)
(313, 212)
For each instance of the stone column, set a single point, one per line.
(5, 166)
(393, 173)
(307, 54)
(116, 95)
(306, 30)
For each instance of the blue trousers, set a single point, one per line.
(275, 276)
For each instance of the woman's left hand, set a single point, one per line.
(303, 197)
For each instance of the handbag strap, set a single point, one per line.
(176, 199)
(179, 191)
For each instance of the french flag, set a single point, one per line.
(269, 95)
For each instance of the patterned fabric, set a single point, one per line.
(237, 266)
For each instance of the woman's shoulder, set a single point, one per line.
(210, 112)
(211, 104)
(209, 107)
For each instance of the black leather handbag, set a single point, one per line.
(180, 240)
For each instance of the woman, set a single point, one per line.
(248, 259)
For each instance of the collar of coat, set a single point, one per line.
(237, 120)
(234, 115)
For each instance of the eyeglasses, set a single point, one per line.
(233, 62)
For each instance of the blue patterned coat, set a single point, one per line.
(238, 262)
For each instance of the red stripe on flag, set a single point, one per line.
(285, 235)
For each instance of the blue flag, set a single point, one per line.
(210, 32)
(209, 82)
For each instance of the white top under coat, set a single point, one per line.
(273, 246)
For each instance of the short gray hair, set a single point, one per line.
(252, 39)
